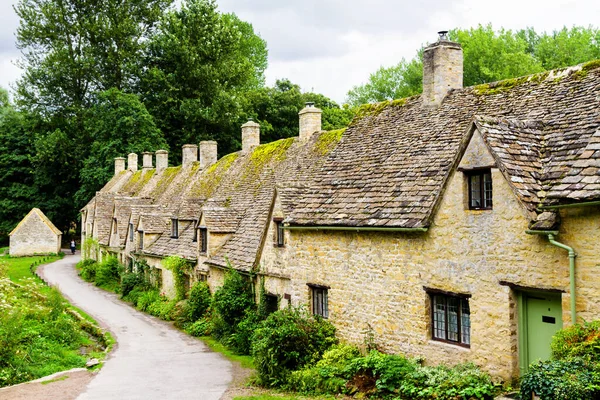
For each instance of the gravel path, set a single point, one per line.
(152, 360)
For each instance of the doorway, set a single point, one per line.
(540, 317)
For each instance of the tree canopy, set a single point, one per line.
(489, 56)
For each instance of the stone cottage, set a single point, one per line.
(35, 234)
(458, 225)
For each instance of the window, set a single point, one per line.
(203, 232)
(480, 189)
(279, 233)
(320, 304)
(271, 303)
(174, 228)
(141, 240)
(131, 232)
(195, 235)
(451, 318)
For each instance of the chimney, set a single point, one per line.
(250, 135)
(119, 165)
(132, 162)
(190, 154)
(208, 153)
(442, 70)
(147, 160)
(310, 120)
(162, 159)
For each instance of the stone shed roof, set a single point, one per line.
(396, 157)
(42, 216)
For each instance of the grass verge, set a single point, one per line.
(216, 346)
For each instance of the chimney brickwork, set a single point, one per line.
(132, 162)
(162, 159)
(208, 153)
(147, 160)
(189, 154)
(310, 121)
(442, 70)
(119, 165)
(250, 135)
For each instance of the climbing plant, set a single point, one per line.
(181, 268)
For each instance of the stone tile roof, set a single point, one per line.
(103, 212)
(182, 246)
(44, 219)
(394, 160)
(222, 219)
(122, 212)
(156, 223)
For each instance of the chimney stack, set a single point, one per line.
(442, 70)
(147, 160)
(250, 135)
(132, 162)
(190, 154)
(119, 165)
(162, 159)
(208, 153)
(310, 120)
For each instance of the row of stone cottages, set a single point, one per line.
(459, 225)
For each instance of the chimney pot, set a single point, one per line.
(442, 70)
(190, 154)
(147, 160)
(162, 159)
(119, 165)
(310, 120)
(208, 153)
(132, 162)
(250, 135)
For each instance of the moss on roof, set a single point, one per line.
(165, 180)
(211, 178)
(328, 140)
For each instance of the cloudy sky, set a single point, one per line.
(328, 46)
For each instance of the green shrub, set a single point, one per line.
(145, 299)
(199, 300)
(574, 379)
(87, 269)
(201, 327)
(129, 281)
(163, 308)
(580, 340)
(233, 299)
(379, 372)
(288, 340)
(465, 381)
(328, 375)
(108, 272)
(240, 340)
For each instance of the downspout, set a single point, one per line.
(572, 255)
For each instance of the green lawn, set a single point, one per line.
(18, 267)
(245, 361)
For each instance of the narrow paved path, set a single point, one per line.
(152, 360)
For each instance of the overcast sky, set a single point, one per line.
(328, 46)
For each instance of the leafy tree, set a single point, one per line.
(119, 124)
(402, 80)
(567, 47)
(199, 63)
(17, 192)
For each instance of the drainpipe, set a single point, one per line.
(572, 255)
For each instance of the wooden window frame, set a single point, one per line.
(461, 299)
(203, 233)
(279, 233)
(131, 233)
(322, 308)
(481, 173)
(174, 228)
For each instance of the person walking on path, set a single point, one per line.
(72, 246)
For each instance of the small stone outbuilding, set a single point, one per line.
(35, 234)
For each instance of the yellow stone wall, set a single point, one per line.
(378, 278)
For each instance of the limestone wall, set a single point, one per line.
(379, 278)
(34, 237)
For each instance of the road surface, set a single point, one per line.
(152, 360)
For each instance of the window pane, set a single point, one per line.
(465, 322)
(452, 306)
(439, 317)
(475, 185)
(487, 192)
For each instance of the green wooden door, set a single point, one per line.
(542, 318)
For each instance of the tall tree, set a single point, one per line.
(567, 47)
(199, 63)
